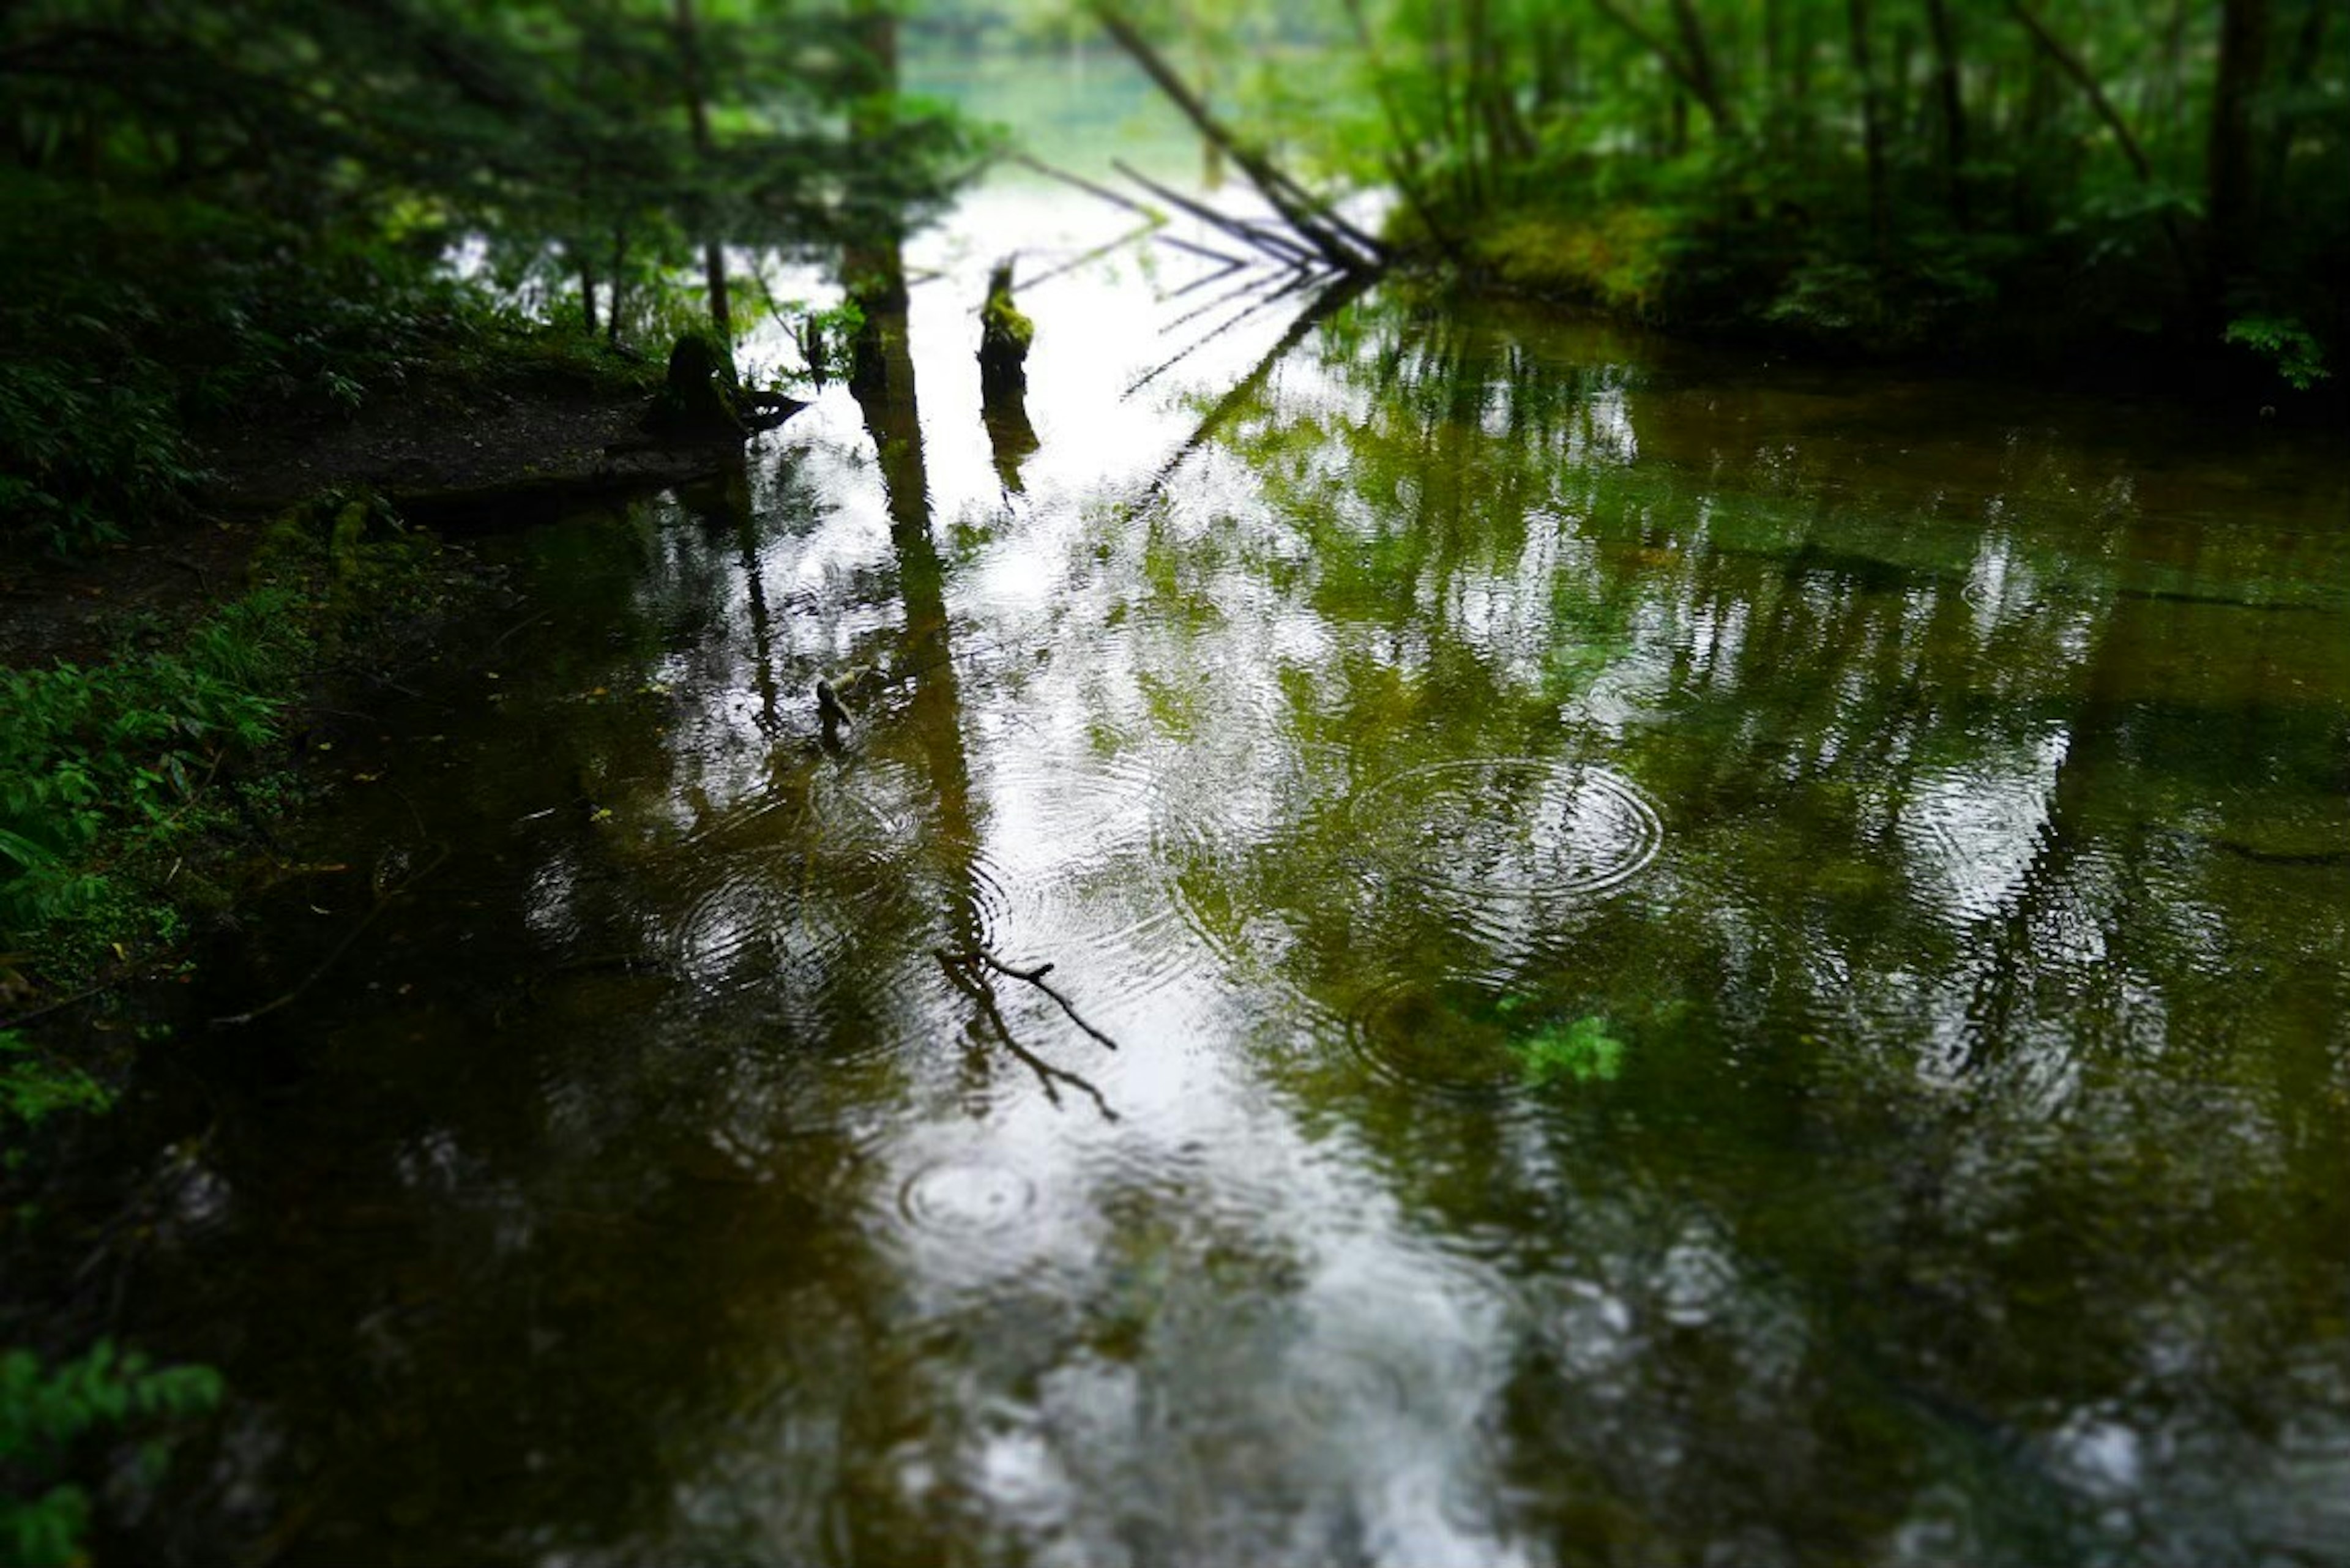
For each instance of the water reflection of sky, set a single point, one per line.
(1920, 828)
(1350, 1375)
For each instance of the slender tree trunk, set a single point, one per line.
(697, 116)
(2072, 66)
(1799, 74)
(1872, 131)
(1948, 92)
(587, 292)
(1406, 167)
(1703, 68)
(618, 275)
(1695, 76)
(2309, 47)
(874, 271)
(2174, 57)
(2229, 195)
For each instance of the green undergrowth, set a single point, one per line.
(124, 785)
(136, 323)
(1749, 245)
(132, 793)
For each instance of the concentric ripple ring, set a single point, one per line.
(1509, 828)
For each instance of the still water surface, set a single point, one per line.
(1709, 963)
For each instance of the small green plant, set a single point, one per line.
(1583, 1051)
(823, 335)
(46, 1409)
(34, 1089)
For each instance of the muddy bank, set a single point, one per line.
(457, 461)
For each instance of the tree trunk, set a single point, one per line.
(697, 117)
(1339, 243)
(1405, 166)
(875, 270)
(1703, 68)
(2229, 194)
(2308, 48)
(1949, 94)
(1872, 132)
(1694, 74)
(2071, 65)
(618, 275)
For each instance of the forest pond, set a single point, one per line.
(1656, 957)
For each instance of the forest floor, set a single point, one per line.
(491, 459)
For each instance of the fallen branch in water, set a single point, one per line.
(1311, 219)
(1280, 247)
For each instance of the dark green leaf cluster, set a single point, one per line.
(46, 1408)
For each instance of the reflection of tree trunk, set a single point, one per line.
(883, 385)
(754, 589)
(1325, 305)
(1009, 434)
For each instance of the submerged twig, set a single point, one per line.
(501, 639)
(1115, 198)
(383, 897)
(1139, 232)
(1205, 278)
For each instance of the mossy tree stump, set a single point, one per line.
(701, 399)
(1004, 336)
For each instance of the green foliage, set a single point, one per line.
(33, 1088)
(2285, 344)
(1582, 1050)
(46, 1409)
(244, 211)
(1614, 257)
(81, 452)
(1875, 178)
(137, 320)
(104, 770)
